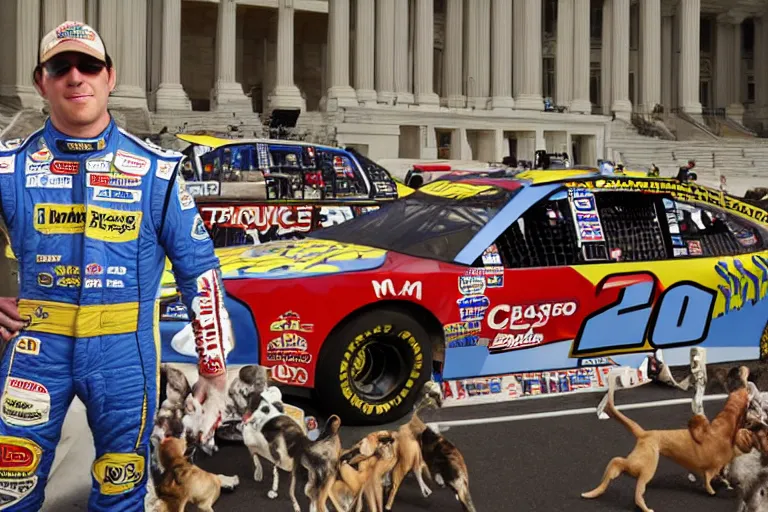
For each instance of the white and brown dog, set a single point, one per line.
(270, 433)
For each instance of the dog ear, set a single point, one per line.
(744, 440)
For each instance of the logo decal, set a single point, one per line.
(65, 167)
(25, 403)
(165, 169)
(116, 195)
(7, 164)
(131, 164)
(198, 229)
(112, 225)
(111, 180)
(59, 219)
(28, 345)
(48, 181)
(118, 472)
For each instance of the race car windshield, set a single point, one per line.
(421, 224)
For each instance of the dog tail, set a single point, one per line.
(629, 424)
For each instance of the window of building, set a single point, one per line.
(705, 35)
(596, 20)
(750, 88)
(549, 16)
(594, 86)
(549, 78)
(748, 35)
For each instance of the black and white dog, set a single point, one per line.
(270, 433)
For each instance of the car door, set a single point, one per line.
(591, 277)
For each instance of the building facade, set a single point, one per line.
(460, 79)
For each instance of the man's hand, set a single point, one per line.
(211, 393)
(10, 320)
(206, 385)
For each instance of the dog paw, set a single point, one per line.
(439, 480)
(271, 494)
(258, 475)
(426, 492)
(691, 477)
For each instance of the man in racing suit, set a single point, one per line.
(92, 212)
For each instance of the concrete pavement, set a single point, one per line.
(537, 463)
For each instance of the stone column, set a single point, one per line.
(400, 59)
(477, 61)
(365, 27)
(424, 54)
(227, 94)
(606, 56)
(340, 94)
(56, 12)
(170, 94)
(20, 36)
(667, 17)
(689, 56)
(723, 64)
(650, 39)
(130, 54)
(501, 51)
(564, 53)
(581, 58)
(530, 55)
(285, 95)
(453, 54)
(385, 47)
(620, 57)
(736, 107)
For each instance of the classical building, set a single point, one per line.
(461, 79)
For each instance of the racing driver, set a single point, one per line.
(92, 212)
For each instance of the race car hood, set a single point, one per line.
(289, 259)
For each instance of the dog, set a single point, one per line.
(183, 482)
(756, 497)
(270, 433)
(703, 448)
(445, 462)
(376, 457)
(348, 487)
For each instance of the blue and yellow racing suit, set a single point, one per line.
(91, 223)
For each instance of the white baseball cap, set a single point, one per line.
(72, 36)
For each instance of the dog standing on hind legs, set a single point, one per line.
(703, 448)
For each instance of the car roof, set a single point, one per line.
(218, 142)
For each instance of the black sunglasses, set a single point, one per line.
(86, 65)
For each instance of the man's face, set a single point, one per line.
(77, 87)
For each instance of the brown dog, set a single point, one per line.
(349, 483)
(703, 448)
(184, 482)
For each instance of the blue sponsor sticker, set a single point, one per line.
(677, 240)
(474, 301)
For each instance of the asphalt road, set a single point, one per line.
(528, 465)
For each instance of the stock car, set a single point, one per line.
(496, 286)
(276, 169)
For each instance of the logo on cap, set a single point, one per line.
(75, 30)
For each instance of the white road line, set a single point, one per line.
(439, 426)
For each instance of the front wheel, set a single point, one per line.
(371, 370)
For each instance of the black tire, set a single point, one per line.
(372, 369)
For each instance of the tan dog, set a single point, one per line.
(184, 482)
(375, 455)
(703, 448)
